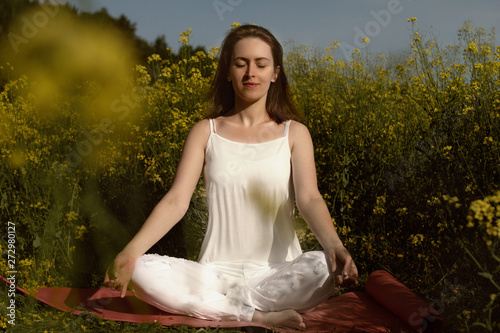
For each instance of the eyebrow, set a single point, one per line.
(258, 59)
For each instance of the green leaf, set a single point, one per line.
(486, 275)
(37, 242)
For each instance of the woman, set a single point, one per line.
(256, 160)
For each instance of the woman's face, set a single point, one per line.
(252, 70)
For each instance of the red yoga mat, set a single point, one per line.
(386, 305)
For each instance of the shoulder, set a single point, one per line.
(297, 128)
(298, 134)
(201, 128)
(200, 132)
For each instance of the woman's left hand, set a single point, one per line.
(343, 267)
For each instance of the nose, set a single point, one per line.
(250, 69)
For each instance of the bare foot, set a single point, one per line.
(287, 318)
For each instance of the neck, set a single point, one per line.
(250, 113)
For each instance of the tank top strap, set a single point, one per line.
(287, 127)
(212, 125)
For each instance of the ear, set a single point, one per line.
(276, 73)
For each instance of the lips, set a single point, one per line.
(250, 84)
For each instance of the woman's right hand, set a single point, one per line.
(170, 210)
(119, 273)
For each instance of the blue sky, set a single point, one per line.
(316, 23)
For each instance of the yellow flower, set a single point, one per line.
(71, 216)
(214, 51)
(416, 239)
(154, 57)
(472, 47)
(487, 139)
(486, 212)
(184, 37)
(80, 231)
(402, 211)
(379, 206)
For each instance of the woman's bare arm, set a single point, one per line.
(312, 207)
(170, 210)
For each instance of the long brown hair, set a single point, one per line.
(279, 105)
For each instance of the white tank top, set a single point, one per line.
(250, 201)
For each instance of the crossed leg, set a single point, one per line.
(274, 298)
(296, 286)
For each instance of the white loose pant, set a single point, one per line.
(232, 291)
